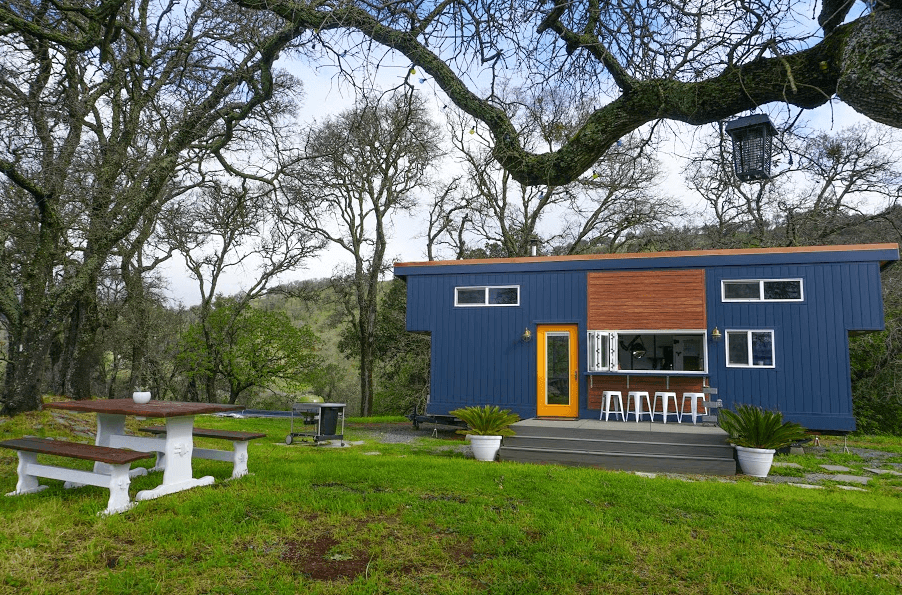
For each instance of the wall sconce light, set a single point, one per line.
(526, 337)
(716, 335)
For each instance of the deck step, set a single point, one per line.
(713, 436)
(622, 461)
(673, 448)
(654, 448)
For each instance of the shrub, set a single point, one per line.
(754, 427)
(488, 420)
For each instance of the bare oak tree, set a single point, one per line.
(693, 62)
(363, 167)
(220, 229)
(497, 216)
(107, 106)
(825, 185)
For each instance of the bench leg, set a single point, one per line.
(27, 484)
(119, 482)
(240, 459)
(160, 465)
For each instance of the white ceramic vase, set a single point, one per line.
(485, 447)
(755, 461)
(141, 396)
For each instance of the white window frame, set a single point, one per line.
(761, 282)
(485, 303)
(596, 351)
(613, 363)
(748, 337)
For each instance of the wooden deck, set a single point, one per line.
(627, 446)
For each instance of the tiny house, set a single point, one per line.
(546, 336)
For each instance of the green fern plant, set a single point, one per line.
(754, 427)
(488, 420)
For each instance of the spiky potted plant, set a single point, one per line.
(486, 426)
(757, 434)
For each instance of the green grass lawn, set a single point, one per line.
(419, 518)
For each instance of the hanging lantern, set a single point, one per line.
(752, 142)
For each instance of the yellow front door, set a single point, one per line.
(558, 371)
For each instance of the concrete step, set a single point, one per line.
(630, 446)
(642, 446)
(650, 463)
(630, 432)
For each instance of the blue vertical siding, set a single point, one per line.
(477, 355)
(811, 381)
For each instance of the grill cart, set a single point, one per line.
(323, 416)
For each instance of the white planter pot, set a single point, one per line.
(755, 461)
(141, 396)
(485, 447)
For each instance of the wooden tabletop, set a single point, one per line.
(152, 409)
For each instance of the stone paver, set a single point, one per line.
(883, 471)
(787, 465)
(850, 478)
(852, 488)
(807, 486)
(835, 468)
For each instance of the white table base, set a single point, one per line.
(175, 452)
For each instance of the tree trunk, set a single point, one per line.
(871, 78)
(138, 315)
(366, 372)
(82, 348)
(25, 370)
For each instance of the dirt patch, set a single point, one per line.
(321, 558)
(394, 550)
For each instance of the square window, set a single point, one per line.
(750, 349)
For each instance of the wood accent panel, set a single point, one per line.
(647, 300)
(651, 384)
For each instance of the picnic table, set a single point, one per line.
(175, 446)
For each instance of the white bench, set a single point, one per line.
(237, 456)
(117, 480)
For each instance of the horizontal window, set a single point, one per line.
(643, 351)
(758, 290)
(750, 349)
(508, 295)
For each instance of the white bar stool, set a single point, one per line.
(634, 404)
(694, 399)
(608, 398)
(666, 397)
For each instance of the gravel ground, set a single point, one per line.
(403, 433)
